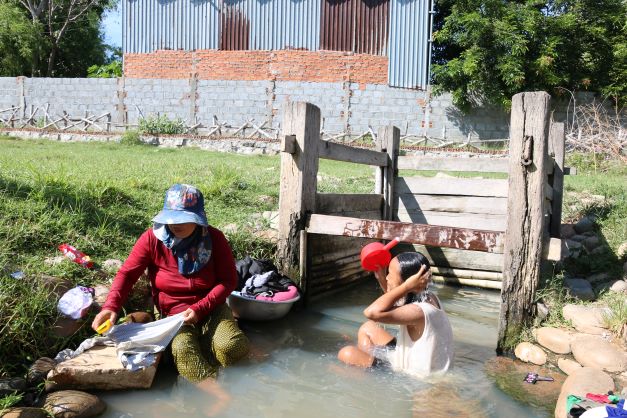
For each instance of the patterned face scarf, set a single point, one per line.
(192, 253)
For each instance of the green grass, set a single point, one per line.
(100, 197)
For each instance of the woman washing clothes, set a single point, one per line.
(424, 344)
(192, 271)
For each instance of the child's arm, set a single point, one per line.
(383, 309)
(380, 275)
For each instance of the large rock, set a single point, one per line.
(508, 374)
(73, 404)
(568, 366)
(9, 385)
(57, 286)
(622, 250)
(598, 278)
(38, 371)
(66, 327)
(25, 412)
(591, 242)
(586, 319)
(593, 351)
(619, 286)
(441, 401)
(555, 339)
(100, 294)
(567, 231)
(112, 265)
(586, 224)
(530, 353)
(98, 368)
(586, 380)
(580, 289)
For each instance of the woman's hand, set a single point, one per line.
(190, 316)
(419, 281)
(103, 316)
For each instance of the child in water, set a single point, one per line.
(424, 344)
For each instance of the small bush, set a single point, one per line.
(616, 318)
(131, 137)
(156, 125)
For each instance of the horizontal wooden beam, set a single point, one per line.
(440, 236)
(455, 204)
(482, 165)
(460, 259)
(341, 152)
(467, 274)
(484, 284)
(479, 221)
(328, 203)
(452, 186)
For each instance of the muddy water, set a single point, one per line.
(293, 371)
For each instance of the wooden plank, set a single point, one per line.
(461, 259)
(485, 222)
(482, 165)
(341, 152)
(297, 194)
(391, 138)
(289, 144)
(452, 186)
(525, 223)
(557, 148)
(467, 274)
(334, 203)
(456, 204)
(483, 284)
(441, 236)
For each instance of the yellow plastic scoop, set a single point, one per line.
(104, 327)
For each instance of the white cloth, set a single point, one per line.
(433, 352)
(136, 344)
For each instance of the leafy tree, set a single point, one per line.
(111, 70)
(55, 37)
(492, 49)
(18, 40)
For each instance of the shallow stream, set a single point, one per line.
(293, 371)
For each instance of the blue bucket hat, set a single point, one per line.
(183, 203)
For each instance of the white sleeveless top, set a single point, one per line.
(433, 352)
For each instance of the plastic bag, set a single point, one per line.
(76, 302)
(76, 256)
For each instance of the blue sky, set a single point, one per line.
(112, 26)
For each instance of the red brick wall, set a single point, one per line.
(287, 65)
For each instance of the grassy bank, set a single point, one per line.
(100, 197)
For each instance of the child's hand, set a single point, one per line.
(419, 281)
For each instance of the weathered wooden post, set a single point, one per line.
(529, 131)
(556, 180)
(300, 137)
(390, 139)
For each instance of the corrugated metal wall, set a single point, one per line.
(355, 26)
(148, 25)
(397, 28)
(409, 43)
(270, 25)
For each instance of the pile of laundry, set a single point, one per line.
(261, 280)
(596, 406)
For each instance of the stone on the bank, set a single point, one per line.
(593, 351)
(580, 382)
(100, 294)
(555, 339)
(39, 370)
(580, 289)
(622, 250)
(530, 353)
(619, 286)
(585, 224)
(431, 401)
(586, 319)
(66, 327)
(598, 278)
(98, 368)
(574, 248)
(57, 286)
(508, 375)
(568, 366)
(112, 265)
(25, 412)
(567, 231)
(591, 242)
(73, 404)
(9, 385)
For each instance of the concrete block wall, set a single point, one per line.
(345, 106)
(72, 95)
(331, 98)
(232, 101)
(157, 96)
(9, 95)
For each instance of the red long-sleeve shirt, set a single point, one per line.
(172, 292)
